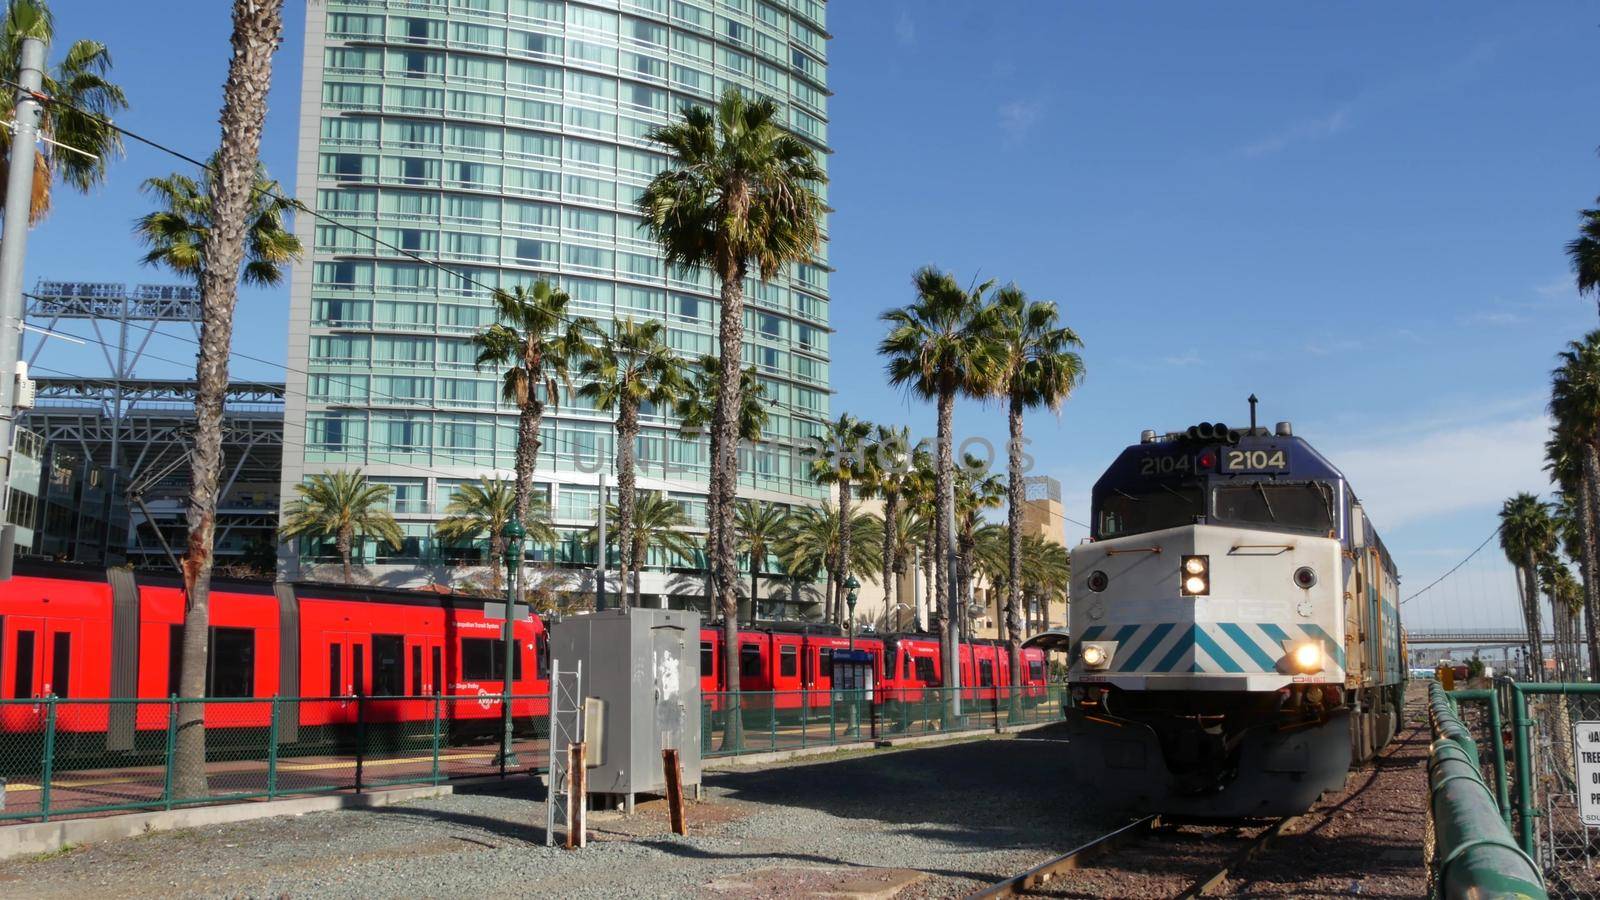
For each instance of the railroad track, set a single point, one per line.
(1148, 838)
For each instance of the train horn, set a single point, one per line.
(1206, 431)
(1233, 435)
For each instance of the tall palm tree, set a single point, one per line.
(811, 545)
(176, 232)
(344, 505)
(937, 347)
(890, 468)
(697, 411)
(760, 527)
(1575, 462)
(229, 239)
(838, 459)
(658, 524)
(922, 497)
(482, 509)
(1046, 575)
(1041, 368)
(1526, 536)
(1584, 251)
(740, 195)
(84, 100)
(536, 342)
(624, 370)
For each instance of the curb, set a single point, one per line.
(723, 763)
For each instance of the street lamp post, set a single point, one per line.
(851, 585)
(514, 534)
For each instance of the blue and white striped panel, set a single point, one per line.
(1210, 648)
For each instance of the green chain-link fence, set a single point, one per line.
(75, 757)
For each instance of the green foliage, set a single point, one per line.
(534, 339)
(943, 343)
(343, 505)
(632, 366)
(696, 406)
(176, 231)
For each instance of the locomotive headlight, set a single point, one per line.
(1097, 656)
(1307, 657)
(1196, 576)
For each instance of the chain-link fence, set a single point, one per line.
(1545, 770)
(64, 757)
(793, 720)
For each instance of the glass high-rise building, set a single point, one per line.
(506, 139)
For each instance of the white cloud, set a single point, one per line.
(1328, 348)
(1423, 473)
(1315, 129)
(1492, 317)
(1191, 358)
(905, 28)
(1017, 118)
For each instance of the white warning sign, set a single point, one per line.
(1586, 746)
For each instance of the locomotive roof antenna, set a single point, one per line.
(1253, 402)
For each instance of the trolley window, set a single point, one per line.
(23, 682)
(905, 666)
(438, 670)
(925, 670)
(61, 665)
(825, 662)
(388, 673)
(1035, 671)
(358, 668)
(416, 670)
(1149, 508)
(749, 661)
(788, 661)
(483, 659)
(985, 673)
(541, 657)
(335, 670)
(1305, 506)
(174, 658)
(232, 663)
(708, 662)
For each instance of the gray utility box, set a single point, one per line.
(643, 665)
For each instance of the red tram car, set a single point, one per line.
(77, 632)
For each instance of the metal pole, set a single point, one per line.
(1519, 746)
(514, 533)
(14, 244)
(600, 554)
(954, 608)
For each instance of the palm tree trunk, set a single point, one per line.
(627, 429)
(755, 576)
(639, 551)
(497, 552)
(527, 458)
(943, 516)
(1589, 563)
(725, 477)
(257, 27)
(844, 545)
(346, 542)
(891, 583)
(1013, 598)
(1535, 633)
(930, 601)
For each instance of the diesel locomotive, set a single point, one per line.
(1236, 639)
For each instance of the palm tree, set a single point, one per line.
(482, 510)
(177, 231)
(630, 368)
(911, 531)
(535, 341)
(922, 498)
(838, 458)
(83, 102)
(811, 546)
(235, 231)
(1526, 535)
(759, 527)
(1046, 574)
(697, 410)
(939, 346)
(890, 470)
(1041, 367)
(1584, 251)
(344, 505)
(1575, 462)
(741, 194)
(658, 524)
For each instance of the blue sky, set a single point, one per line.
(1355, 211)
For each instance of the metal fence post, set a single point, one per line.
(833, 734)
(772, 720)
(361, 738)
(172, 743)
(272, 751)
(805, 714)
(48, 764)
(435, 738)
(1498, 743)
(1519, 745)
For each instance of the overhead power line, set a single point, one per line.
(1453, 569)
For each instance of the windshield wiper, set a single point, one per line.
(1174, 492)
(1264, 499)
(1128, 495)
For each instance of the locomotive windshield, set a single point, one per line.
(1150, 508)
(1304, 506)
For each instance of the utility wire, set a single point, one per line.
(1453, 569)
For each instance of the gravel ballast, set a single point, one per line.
(965, 813)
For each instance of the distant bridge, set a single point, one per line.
(1467, 636)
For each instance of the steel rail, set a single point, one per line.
(1044, 872)
(1205, 883)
